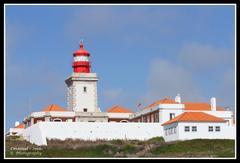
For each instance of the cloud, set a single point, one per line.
(167, 79)
(226, 89)
(126, 22)
(201, 56)
(212, 63)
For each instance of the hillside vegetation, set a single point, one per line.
(155, 147)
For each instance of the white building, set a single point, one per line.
(119, 114)
(166, 109)
(17, 130)
(197, 125)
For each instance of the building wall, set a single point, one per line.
(91, 119)
(77, 98)
(16, 131)
(227, 115)
(86, 99)
(118, 120)
(118, 115)
(164, 114)
(226, 132)
(171, 132)
(38, 133)
(149, 117)
(34, 134)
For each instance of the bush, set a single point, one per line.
(117, 142)
(129, 148)
(156, 140)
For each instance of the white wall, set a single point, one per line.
(91, 131)
(34, 134)
(86, 99)
(78, 99)
(173, 136)
(53, 114)
(17, 131)
(227, 115)
(119, 115)
(226, 132)
(164, 114)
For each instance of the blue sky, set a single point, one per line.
(140, 53)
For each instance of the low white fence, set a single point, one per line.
(40, 132)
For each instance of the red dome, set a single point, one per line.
(81, 51)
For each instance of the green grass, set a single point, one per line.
(129, 149)
(96, 151)
(155, 147)
(197, 147)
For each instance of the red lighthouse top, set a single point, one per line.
(81, 51)
(81, 62)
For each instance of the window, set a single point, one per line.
(228, 122)
(175, 130)
(186, 128)
(84, 89)
(165, 131)
(169, 132)
(172, 115)
(210, 128)
(85, 110)
(194, 128)
(217, 128)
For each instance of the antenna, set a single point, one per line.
(81, 40)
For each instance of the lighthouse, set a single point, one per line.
(82, 84)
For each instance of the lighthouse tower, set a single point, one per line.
(82, 84)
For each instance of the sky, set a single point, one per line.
(140, 53)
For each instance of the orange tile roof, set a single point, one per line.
(199, 106)
(162, 101)
(53, 107)
(21, 125)
(118, 109)
(194, 117)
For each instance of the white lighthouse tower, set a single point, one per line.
(82, 84)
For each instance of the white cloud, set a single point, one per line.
(122, 21)
(167, 80)
(226, 89)
(204, 56)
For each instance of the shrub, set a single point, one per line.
(129, 148)
(156, 140)
(117, 142)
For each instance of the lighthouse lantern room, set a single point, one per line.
(81, 62)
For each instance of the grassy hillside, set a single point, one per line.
(155, 147)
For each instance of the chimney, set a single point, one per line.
(178, 98)
(213, 104)
(16, 123)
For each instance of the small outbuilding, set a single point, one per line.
(197, 125)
